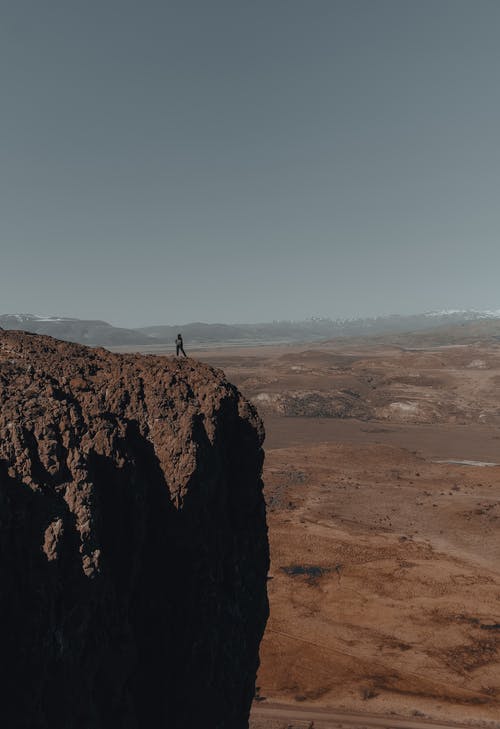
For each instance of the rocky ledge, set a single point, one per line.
(133, 541)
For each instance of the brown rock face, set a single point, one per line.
(133, 541)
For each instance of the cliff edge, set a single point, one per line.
(133, 541)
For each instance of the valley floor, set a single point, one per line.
(385, 577)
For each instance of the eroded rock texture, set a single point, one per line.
(133, 543)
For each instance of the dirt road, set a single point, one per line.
(277, 715)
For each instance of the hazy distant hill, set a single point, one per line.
(198, 332)
(474, 332)
(91, 332)
(314, 329)
(435, 327)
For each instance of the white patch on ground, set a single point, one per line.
(264, 397)
(406, 407)
(477, 364)
(458, 462)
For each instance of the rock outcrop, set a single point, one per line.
(133, 541)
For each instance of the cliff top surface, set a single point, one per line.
(64, 404)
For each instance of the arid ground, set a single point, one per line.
(385, 575)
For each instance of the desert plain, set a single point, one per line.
(382, 483)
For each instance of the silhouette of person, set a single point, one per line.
(179, 346)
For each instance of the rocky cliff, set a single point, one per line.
(133, 543)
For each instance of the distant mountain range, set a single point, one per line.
(100, 333)
(91, 332)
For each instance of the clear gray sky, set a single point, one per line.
(246, 160)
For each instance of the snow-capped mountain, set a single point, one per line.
(91, 332)
(465, 314)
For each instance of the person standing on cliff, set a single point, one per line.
(179, 346)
